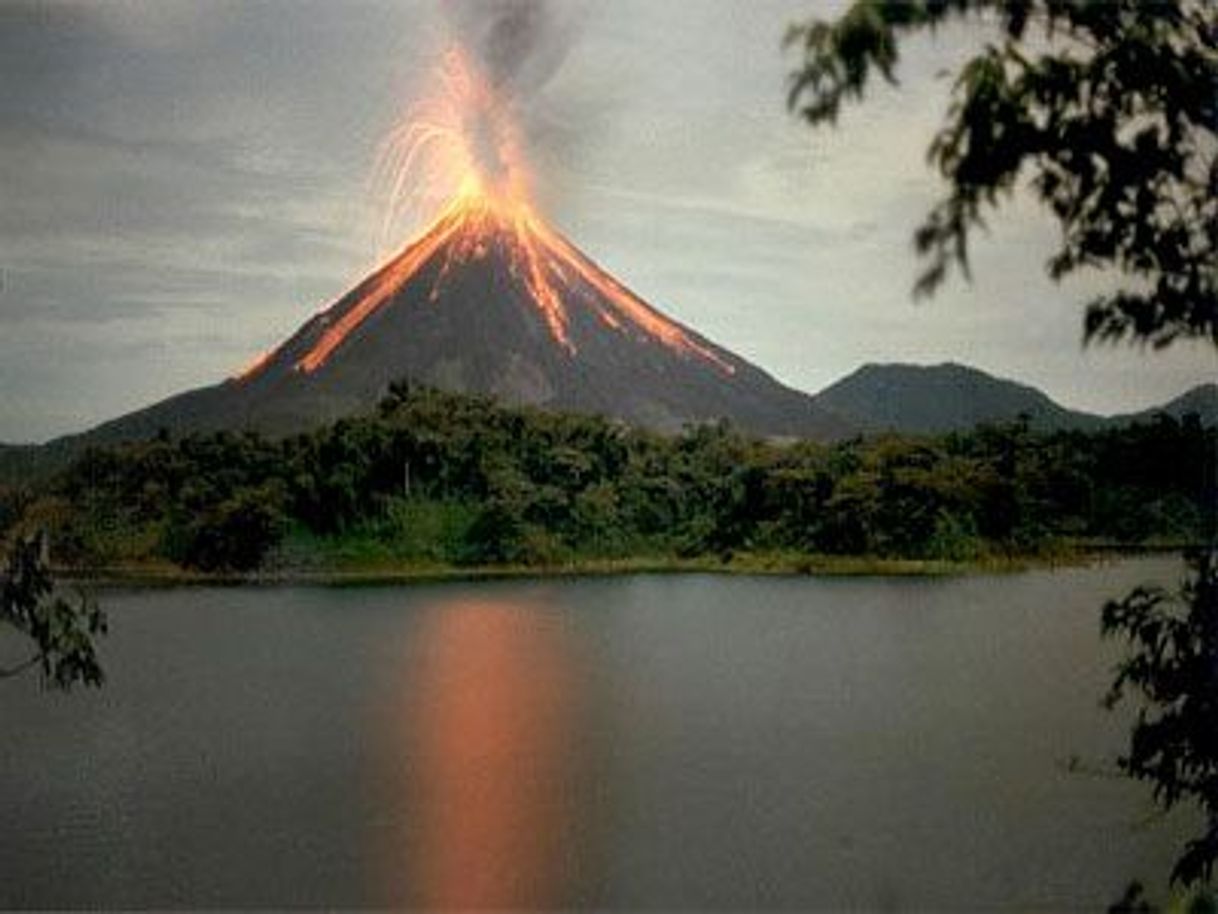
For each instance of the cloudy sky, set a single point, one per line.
(183, 183)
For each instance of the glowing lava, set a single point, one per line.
(461, 142)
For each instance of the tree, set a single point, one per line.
(1174, 668)
(233, 535)
(1108, 109)
(63, 633)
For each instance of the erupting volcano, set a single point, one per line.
(487, 298)
(509, 255)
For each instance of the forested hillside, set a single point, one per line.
(442, 480)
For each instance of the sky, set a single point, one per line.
(184, 182)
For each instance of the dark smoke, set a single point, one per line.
(518, 44)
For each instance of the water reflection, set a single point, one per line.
(495, 696)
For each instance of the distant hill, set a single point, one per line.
(932, 399)
(1202, 400)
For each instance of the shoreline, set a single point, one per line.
(744, 565)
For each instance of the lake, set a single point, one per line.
(635, 742)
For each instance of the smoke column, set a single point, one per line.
(517, 46)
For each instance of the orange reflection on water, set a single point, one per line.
(495, 695)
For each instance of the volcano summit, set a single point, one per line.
(492, 300)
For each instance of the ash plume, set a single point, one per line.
(517, 44)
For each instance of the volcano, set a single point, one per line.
(492, 300)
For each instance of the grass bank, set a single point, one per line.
(391, 571)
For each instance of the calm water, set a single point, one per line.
(663, 742)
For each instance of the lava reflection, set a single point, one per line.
(495, 695)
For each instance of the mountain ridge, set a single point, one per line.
(1201, 399)
(933, 399)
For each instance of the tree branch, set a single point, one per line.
(10, 672)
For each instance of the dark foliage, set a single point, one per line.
(501, 485)
(1173, 668)
(63, 633)
(232, 535)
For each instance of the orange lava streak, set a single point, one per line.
(389, 280)
(544, 294)
(254, 367)
(631, 307)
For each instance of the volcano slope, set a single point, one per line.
(492, 301)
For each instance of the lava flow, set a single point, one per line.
(462, 147)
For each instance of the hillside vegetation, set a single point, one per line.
(439, 480)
